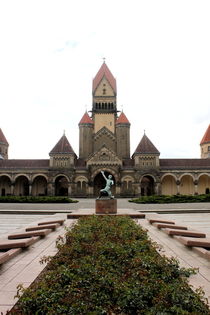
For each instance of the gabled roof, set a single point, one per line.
(104, 72)
(63, 146)
(206, 137)
(146, 146)
(122, 119)
(2, 138)
(85, 119)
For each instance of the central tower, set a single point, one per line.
(104, 131)
(104, 107)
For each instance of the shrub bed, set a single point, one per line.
(108, 266)
(35, 199)
(172, 199)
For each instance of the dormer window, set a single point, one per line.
(104, 91)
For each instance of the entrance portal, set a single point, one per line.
(99, 183)
(147, 186)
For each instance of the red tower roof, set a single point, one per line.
(104, 72)
(2, 138)
(146, 146)
(63, 146)
(206, 137)
(86, 119)
(122, 119)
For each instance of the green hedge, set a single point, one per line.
(108, 266)
(35, 199)
(172, 199)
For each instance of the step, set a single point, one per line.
(184, 233)
(41, 227)
(50, 222)
(151, 221)
(23, 243)
(194, 242)
(41, 233)
(163, 226)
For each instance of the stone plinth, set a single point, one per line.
(106, 206)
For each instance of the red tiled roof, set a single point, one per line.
(184, 163)
(146, 146)
(86, 119)
(63, 146)
(206, 137)
(104, 72)
(24, 163)
(122, 119)
(2, 138)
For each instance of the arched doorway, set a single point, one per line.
(21, 186)
(203, 184)
(169, 186)
(61, 186)
(5, 186)
(147, 186)
(187, 185)
(99, 183)
(39, 186)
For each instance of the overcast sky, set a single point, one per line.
(159, 52)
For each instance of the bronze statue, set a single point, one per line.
(107, 189)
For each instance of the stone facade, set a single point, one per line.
(104, 145)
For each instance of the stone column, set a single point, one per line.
(50, 189)
(178, 187)
(12, 189)
(30, 189)
(157, 188)
(69, 189)
(196, 187)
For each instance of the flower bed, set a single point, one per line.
(172, 199)
(35, 199)
(109, 266)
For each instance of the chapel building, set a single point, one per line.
(104, 145)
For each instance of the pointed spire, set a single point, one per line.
(122, 119)
(146, 146)
(206, 137)
(62, 146)
(85, 119)
(2, 138)
(104, 72)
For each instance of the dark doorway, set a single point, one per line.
(147, 186)
(100, 183)
(3, 192)
(61, 186)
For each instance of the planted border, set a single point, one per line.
(172, 199)
(35, 199)
(109, 266)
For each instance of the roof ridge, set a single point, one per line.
(146, 146)
(62, 146)
(206, 137)
(104, 72)
(3, 138)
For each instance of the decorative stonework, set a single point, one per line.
(104, 157)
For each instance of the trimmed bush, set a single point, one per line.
(172, 199)
(108, 266)
(35, 199)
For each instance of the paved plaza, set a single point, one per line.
(25, 267)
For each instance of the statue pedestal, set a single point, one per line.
(106, 206)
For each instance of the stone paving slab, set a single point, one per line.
(25, 267)
(186, 256)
